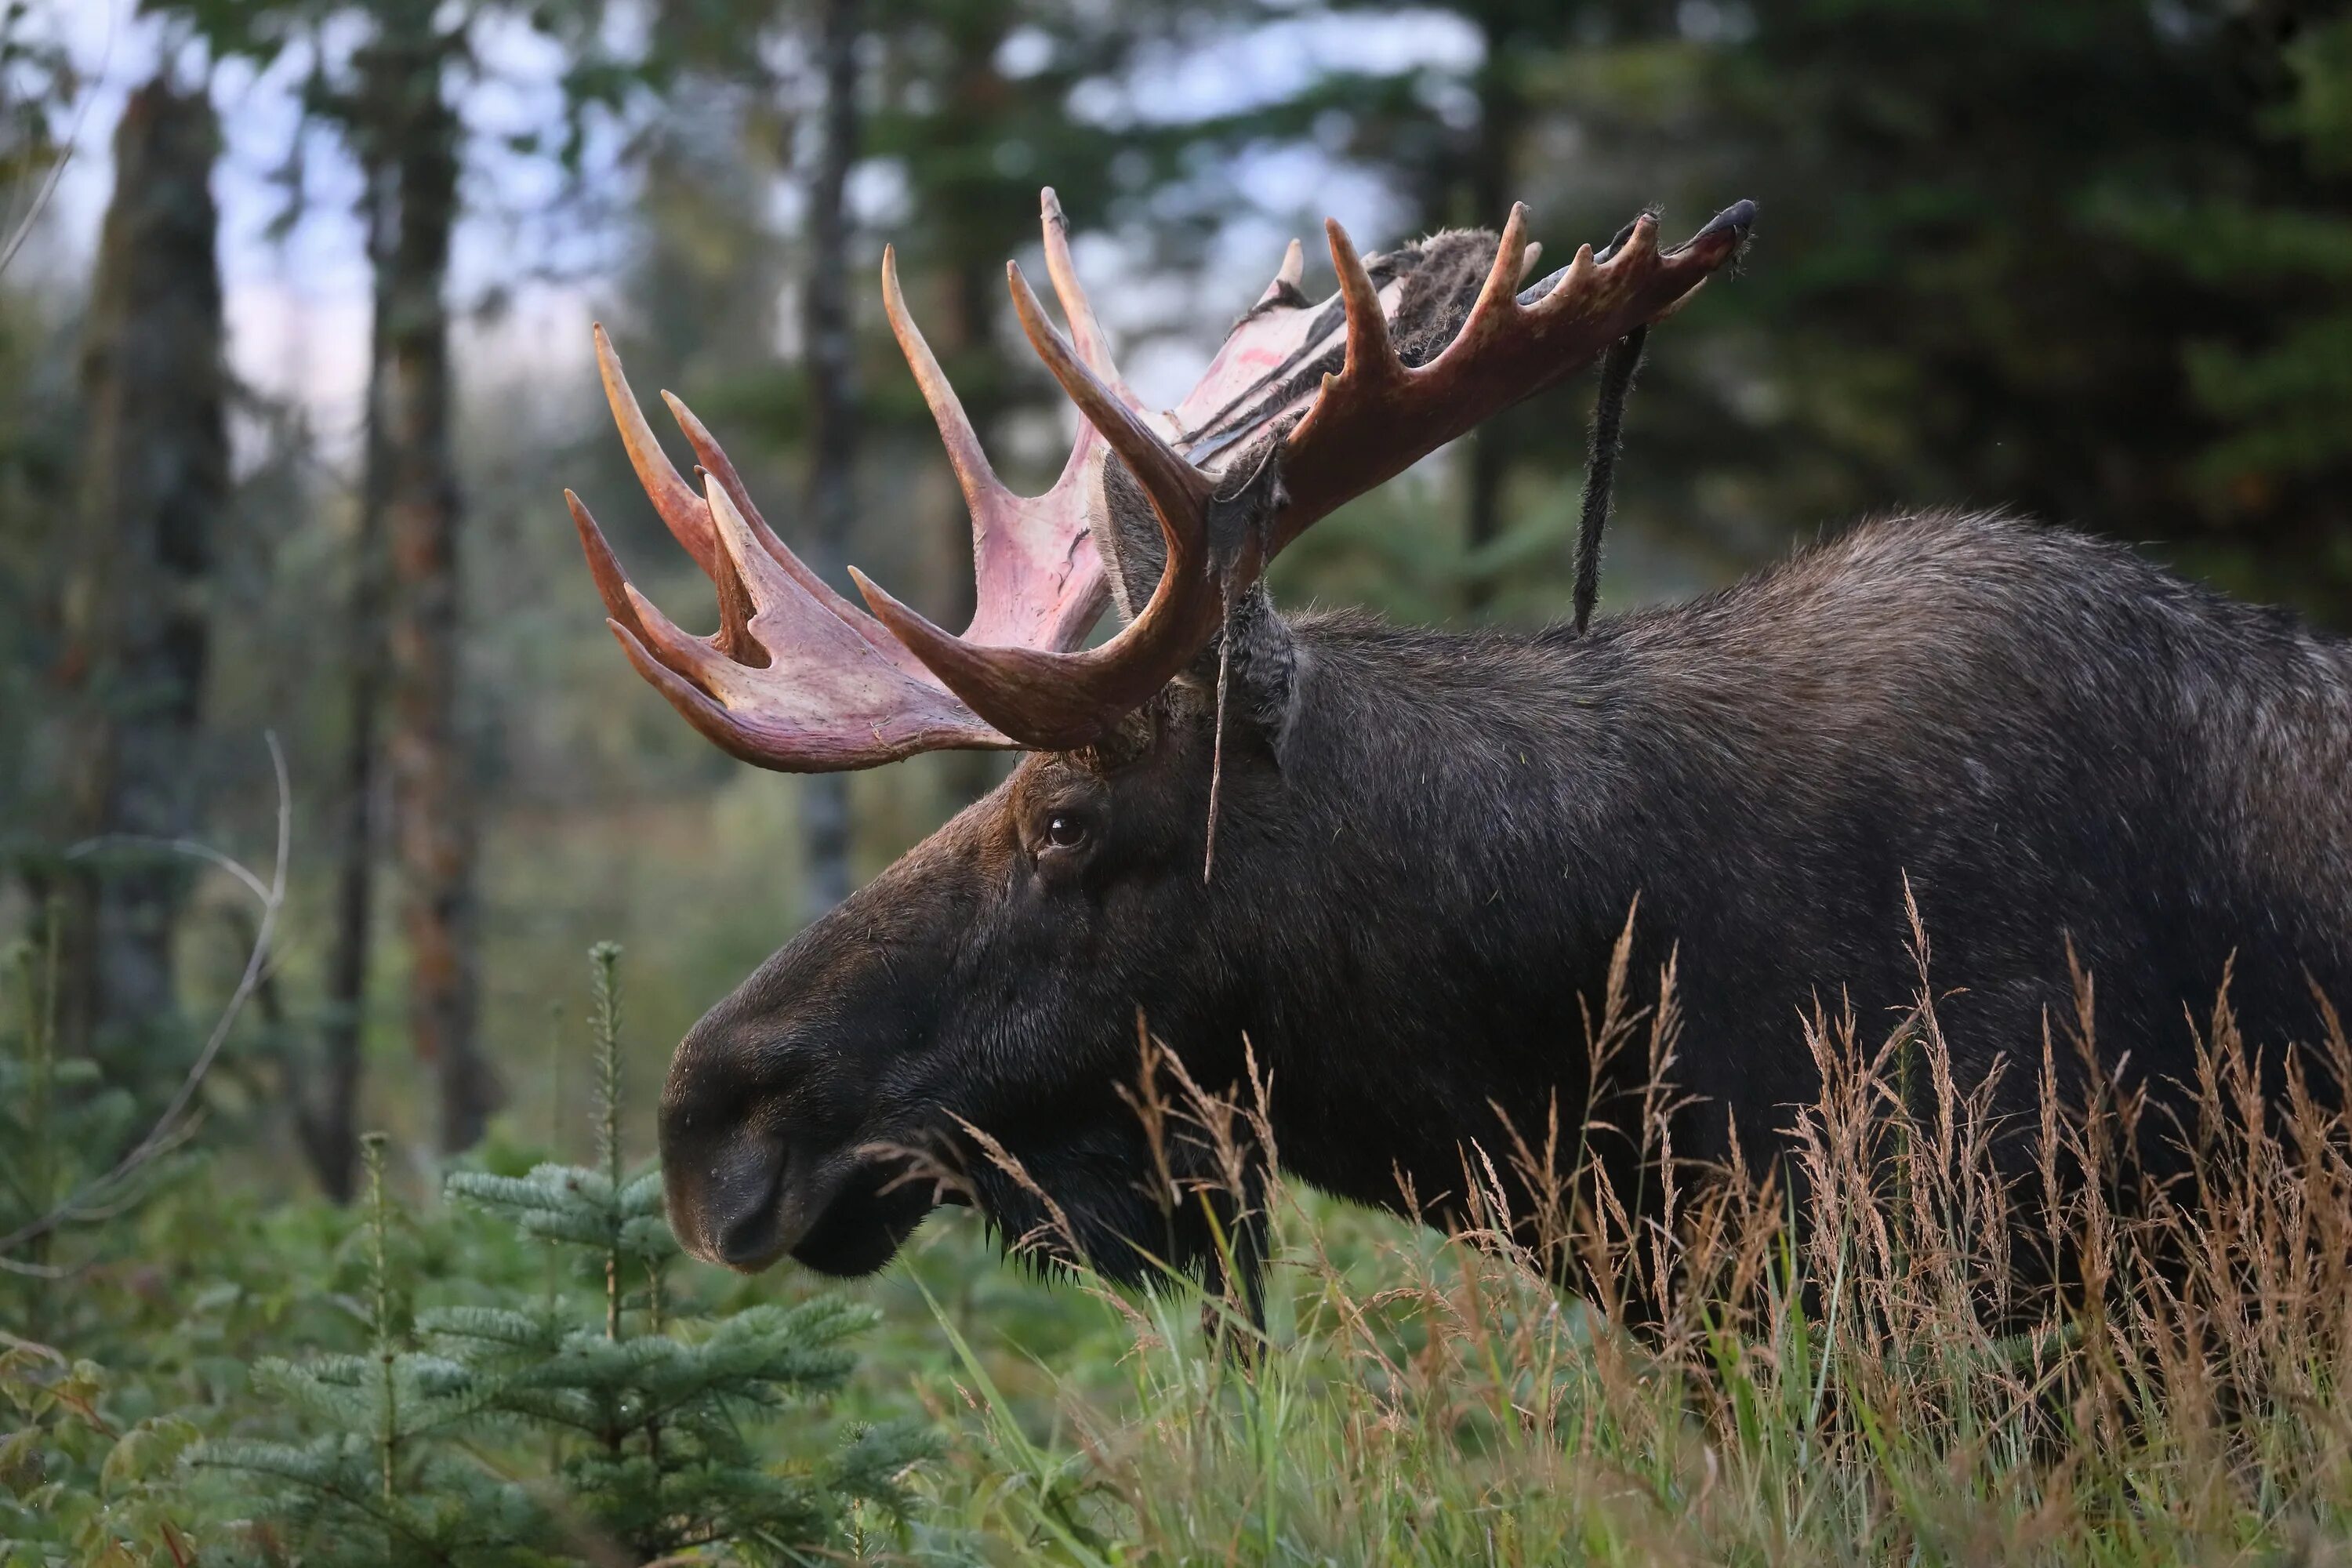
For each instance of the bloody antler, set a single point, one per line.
(1049, 698)
(1039, 576)
(1379, 415)
(797, 678)
(1319, 400)
(1371, 420)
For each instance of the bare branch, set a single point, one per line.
(168, 1130)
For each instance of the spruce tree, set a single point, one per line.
(641, 1421)
(656, 1459)
(380, 1484)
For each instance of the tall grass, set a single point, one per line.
(1929, 1337)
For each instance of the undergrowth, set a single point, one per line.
(1932, 1339)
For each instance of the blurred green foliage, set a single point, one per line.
(512, 1378)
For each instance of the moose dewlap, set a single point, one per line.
(1427, 843)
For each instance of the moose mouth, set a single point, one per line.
(847, 1231)
(865, 1225)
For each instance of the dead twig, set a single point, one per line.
(170, 1130)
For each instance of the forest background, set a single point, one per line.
(295, 362)
(298, 361)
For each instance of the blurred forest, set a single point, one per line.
(2091, 261)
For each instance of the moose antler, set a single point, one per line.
(1364, 424)
(1303, 408)
(797, 678)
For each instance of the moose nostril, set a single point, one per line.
(740, 1208)
(748, 1240)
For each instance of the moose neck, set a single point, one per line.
(1407, 895)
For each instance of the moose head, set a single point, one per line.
(1184, 845)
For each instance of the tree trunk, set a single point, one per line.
(1489, 466)
(972, 247)
(410, 136)
(827, 329)
(328, 1113)
(1489, 189)
(154, 483)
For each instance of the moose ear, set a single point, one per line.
(1127, 535)
(1260, 661)
(1260, 671)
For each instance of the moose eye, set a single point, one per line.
(1065, 830)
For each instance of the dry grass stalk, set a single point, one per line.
(2101, 1333)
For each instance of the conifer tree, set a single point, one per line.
(645, 1420)
(60, 1122)
(656, 1461)
(379, 1485)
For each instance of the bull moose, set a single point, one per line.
(1393, 862)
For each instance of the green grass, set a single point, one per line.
(1428, 1398)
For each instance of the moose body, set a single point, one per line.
(1384, 872)
(1418, 887)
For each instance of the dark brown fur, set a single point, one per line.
(1430, 840)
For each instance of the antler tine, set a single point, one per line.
(1573, 278)
(1055, 700)
(631, 612)
(1370, 356)
(716, 725)
(611, 582)
(759, 571)
(1631, 262)
(698, 661)
(1498, 305)
(784, 684)
(688, 514)
(1039, 578)
(716, 464)
(735, 601)
(1177, 489)
(1641, 246)
(1085, 331)
(752, 581)
(1286, 276)
(680, 507)
(736, 609)
(974, 472)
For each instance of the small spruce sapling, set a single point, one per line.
(641, 1418)
(382, 1483)
(649, 1413)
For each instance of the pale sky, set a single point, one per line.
(297, 305)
